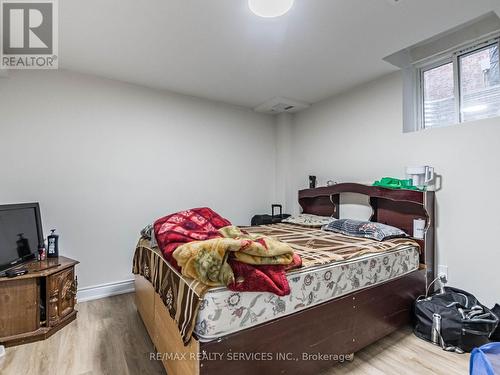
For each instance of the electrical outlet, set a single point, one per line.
(443, 270)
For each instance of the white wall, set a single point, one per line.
(105, 158)
(358, 136)
(283, 125)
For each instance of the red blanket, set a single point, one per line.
(250, 278)
(199, 224)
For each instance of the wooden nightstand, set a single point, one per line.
(36, 305)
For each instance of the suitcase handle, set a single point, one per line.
(273, 206)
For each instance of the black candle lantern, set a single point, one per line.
(312, 182)
(52, 245)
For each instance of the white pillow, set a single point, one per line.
(308, 220)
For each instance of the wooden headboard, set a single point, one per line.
(393, 207)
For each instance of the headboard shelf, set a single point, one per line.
(393, 207)
(371, 191)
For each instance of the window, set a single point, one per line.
(439, 96)
(480, 84)
(461, 86)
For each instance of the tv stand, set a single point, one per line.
(36, 305)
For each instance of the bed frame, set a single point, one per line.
(291, 344)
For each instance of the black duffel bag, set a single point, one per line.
(495, 336)
(270, 219)
(454, 320)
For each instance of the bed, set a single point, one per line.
(333, 310)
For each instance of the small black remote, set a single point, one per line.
(16, 272)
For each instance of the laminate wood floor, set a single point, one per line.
(108, 337)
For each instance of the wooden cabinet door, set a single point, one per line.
(61, 292)
(19, 311)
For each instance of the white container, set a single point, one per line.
(419, 228)
(2, 351)
(421, 176)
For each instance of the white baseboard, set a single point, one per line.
(105, 290)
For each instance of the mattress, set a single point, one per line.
(222, 312)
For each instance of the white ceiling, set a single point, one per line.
(218, 49)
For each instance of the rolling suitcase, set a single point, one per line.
(270, 219)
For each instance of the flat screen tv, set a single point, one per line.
(20, 233)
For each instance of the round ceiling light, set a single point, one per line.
(270, 8)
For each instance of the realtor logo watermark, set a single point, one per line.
(29, 34)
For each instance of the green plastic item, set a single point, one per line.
(395, 183)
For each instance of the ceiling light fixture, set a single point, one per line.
(270, 8)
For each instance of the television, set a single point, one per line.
(20, 233)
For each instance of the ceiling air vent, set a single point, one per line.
(280, 105)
